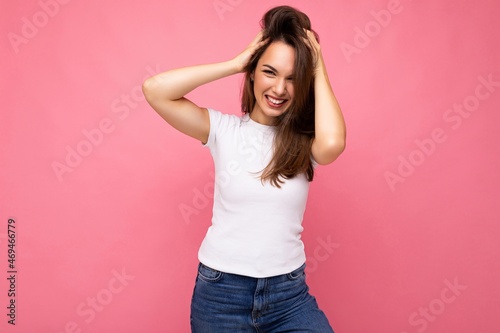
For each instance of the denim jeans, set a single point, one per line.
(224, 302)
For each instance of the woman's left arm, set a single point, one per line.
(330, 129)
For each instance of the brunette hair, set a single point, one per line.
(295, 127)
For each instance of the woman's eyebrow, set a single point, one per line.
(274, 69)
(271, 67)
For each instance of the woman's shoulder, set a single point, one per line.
(223, 117)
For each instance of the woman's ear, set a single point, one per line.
(252, 76)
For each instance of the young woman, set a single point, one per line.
(251, 272)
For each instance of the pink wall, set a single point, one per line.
(401, 232)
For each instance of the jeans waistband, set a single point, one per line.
(216, 274)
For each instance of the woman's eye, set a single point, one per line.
(268, 72)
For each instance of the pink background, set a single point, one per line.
(401, 232)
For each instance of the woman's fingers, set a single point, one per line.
(315, 47)
(244, 57)
(257, 42)
(258, 38)
(311, 38)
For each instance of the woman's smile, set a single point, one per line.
(273, 82)
(275, 102)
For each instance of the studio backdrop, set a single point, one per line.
(103, 205)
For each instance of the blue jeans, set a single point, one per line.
(224, 302)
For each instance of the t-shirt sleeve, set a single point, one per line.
(218, 124)
(314, 163)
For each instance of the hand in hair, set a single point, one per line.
(242, 59)
(315, 48)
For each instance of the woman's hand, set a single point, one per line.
(242, 59)
(316, 50)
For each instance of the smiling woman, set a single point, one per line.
(273, 86)
(251, 271)
(284, 67)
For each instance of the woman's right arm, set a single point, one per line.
(165, 92)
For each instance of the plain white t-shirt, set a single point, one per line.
(256, 227)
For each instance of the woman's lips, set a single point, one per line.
(274, 101)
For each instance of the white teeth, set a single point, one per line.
(275, 101)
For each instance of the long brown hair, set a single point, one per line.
(295, 127)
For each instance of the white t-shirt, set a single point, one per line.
(256, 227)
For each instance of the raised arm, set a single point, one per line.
(330, 129)
(165, 92)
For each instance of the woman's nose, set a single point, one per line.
(280, 87)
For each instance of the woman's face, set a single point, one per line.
(273, 82)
